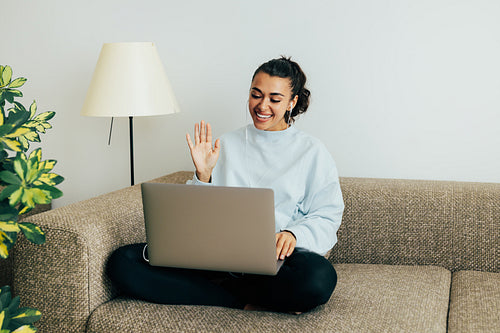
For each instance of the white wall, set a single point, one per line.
(400, 88)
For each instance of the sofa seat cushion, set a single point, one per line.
(475, 302)
(368, 298)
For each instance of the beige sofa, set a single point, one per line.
(412, 256)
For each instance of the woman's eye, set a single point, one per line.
(255, 96)
(275, 100)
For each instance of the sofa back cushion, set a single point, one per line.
(455, 225)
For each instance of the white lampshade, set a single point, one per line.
(129, 80)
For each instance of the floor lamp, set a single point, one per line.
(129, 81)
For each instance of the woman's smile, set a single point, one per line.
(263, 116)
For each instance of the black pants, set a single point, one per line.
(305, 281)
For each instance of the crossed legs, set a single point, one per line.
(305, 281)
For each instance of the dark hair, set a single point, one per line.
(286, 68)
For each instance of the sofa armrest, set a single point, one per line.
(6, 264)
(65, 278)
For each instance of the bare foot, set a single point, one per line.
(295, 312)
(251, 307)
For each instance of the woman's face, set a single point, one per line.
(270, 97)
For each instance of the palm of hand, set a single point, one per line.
(203, 154)
(204, 157)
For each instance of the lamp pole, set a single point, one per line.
(131, 130)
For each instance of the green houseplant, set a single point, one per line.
(25, 181)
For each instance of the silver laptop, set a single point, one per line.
(210, 227)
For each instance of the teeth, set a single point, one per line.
(264, 117)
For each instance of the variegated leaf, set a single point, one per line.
(1, 74)
(18, 132)
(40, 196)
(32, 232)
(19, 107)
(11, 144)
(27, 198)
(45, 116)
(24, 143)
(47, 178)
(4, 238)
(54, 192)
(39, 127)
(14, 92)
(33, 173)
(31, 124)
(6, 75)
(32, 136)
(5, 129)
(19, 82)
(9, 226)
(23, 157)
(51, 179)
(24, 210)
(47, 165)
(10, 177)
(7, 191)
(14, 304)
(33, 160)
(32, 109)
(15, 197)
(37, 153)
(20, 167)
(4, 242)
(27, 315)
(8, 213)
(25, 329)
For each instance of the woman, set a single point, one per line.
(269, 153)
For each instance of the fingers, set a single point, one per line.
(189, 142)
(196, 133)
(285, 250)
(285, 244)
(203, 132)
(279, 245)
(209, 133)
(217, 146)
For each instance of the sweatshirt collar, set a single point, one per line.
(271, 135)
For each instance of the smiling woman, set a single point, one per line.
(270, 98)
(278, 92)
(270, 153)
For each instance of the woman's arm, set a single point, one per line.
(317, 229)
(320, 211)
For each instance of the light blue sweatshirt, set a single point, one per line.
(300, 170)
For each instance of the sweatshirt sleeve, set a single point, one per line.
(321, 210)
(196, 181)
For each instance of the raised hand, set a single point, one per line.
(204, 155)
